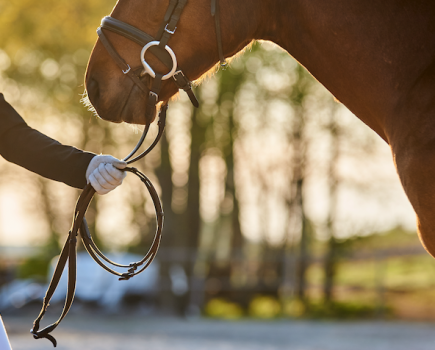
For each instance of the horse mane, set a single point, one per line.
(213, 70)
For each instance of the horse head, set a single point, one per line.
(193, 40)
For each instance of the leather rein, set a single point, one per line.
(158, 46)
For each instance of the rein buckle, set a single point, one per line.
(170, 31)
(127, 70)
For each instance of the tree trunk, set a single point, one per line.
(303, 258)
(332, 252)
(299, 140)
(169, 240)
(193, 216)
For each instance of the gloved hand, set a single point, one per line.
(103, 173)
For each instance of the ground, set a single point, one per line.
(115, 332)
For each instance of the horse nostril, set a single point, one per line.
(93, 89)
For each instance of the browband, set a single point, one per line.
(136, 35)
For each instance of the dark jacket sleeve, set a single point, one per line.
(24, 146)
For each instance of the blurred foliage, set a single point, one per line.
(345, 311)
(264, 307)
(397, 237)
(220, 308)
(56, 27)
(49, 42)
(371, 282)
(35, 267)
(268, 308)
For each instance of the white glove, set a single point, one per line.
(103, 173)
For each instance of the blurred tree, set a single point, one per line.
(331, 256)
(53, 244)
(229, 83)
(172, 229)
(299, 140)
(49, 41)
(191, 236)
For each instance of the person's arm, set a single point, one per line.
(27, 147)
(41, 154)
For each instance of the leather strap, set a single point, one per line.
(153, 97)
(136, 35)
(215, 12)
(171, 26)
(161, 123)
(126, 69)
(168, 14)
(69, 253)
(185, 84)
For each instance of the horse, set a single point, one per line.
(377, 57)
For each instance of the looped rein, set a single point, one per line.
(79, 225)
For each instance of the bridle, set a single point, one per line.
(158, 46)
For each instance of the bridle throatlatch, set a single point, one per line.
(158, 47)
(215, 12)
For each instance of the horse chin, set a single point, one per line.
(128, 106)
(133, 110)
(129, 109)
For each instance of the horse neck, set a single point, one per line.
(314, 35)
(367, 53)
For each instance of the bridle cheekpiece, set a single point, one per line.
(157, 46)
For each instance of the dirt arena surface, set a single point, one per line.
(114, 332)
